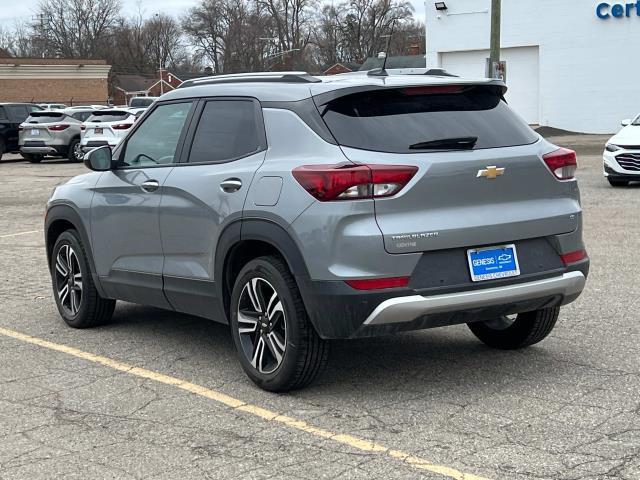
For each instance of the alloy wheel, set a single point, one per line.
(262, 325)
(501, 323)
(68, 279)
(77, 152)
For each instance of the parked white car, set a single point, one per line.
(106, 127)
(52, 106)
(622, 154)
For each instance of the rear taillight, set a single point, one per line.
(353, 182)
(562, 163)
(83, 127)
(378, 283)
(121, 126)
(573, 257)
(58, 128)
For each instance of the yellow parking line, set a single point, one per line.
(234, 403)
(20, 233)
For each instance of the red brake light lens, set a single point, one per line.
(59, 127)
(353, 182)
(378, 283)
(562, 163)
(122, 126)
(573, 257)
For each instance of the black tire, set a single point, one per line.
(305, 354)
(71, 153)
(32, 158)
(618, 183)
(91, 309)
(527, 329)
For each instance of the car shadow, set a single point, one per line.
(445, 361)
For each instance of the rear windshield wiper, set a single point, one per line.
(457, 143)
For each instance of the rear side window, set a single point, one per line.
(108, 116)
(18, 113)
(228, 129)
(401, 120)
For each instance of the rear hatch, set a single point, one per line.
(107, 126)
(481, 178)
(42, 127)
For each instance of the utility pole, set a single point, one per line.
(495, 35)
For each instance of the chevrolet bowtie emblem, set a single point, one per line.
(490, 172)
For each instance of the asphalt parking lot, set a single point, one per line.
(154, 394)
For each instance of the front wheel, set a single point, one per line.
(517, 331)
(78, 301)
(277, 346)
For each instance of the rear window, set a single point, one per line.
(45, 117)
(108, 116)
(141, 101)
(401, 120)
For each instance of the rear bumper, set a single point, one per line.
(407, 309)
(44, 149)
(96, 144)
(338, 311)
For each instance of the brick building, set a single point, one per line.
(54, 80)
(129, 86)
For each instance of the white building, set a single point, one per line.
(570, 63)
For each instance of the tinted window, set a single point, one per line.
(45, 117)
(394, 120)
(156, 139)
(227, 129)
(108, 116)
(141, 101)
(18, 113)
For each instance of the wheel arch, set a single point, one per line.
(245, 240)
(61, 218)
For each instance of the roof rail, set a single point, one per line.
(277, 77)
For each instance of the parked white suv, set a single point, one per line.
(106, 127)
(622, 154)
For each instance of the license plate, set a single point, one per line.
(35, 132)
(98, 131)
(493, 262)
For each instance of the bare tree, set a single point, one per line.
(75, 28)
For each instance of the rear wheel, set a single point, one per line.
(618, 183)
(32, 158)
(75, 153)
(78, 301)
(516, 331)
(277, 346)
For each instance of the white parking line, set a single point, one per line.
(20, 233)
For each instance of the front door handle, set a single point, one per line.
(231, 185)
(150, 186)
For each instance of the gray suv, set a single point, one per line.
(300, 209)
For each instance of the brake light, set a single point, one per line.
(353, 181)
(573, 257)
(378, 283)
(562, 163)
(122, 126)
(58, 128)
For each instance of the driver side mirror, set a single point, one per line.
(99, 159)
(626, 122)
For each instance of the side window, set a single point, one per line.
(3, 114)
(18, 113)
(228, 129)
(156, 140)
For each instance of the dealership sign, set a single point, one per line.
(617, 10)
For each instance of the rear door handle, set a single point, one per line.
(231, 185)
(150, 186)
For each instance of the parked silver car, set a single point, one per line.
(300, 209)
(51, 132)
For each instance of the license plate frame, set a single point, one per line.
(493, 263)
(98, 131)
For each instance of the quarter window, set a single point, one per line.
(228, 129)
(155, 142)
